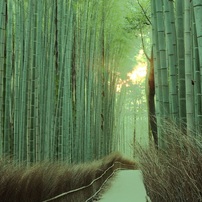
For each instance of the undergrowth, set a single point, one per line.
(173, 174)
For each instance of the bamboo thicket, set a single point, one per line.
(176, 28)
(58, 79)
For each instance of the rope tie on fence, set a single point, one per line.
(84, 187)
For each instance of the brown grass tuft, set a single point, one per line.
(44, 181)
(174, 173)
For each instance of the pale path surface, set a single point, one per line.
(127, 186)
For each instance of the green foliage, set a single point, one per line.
(138, 17)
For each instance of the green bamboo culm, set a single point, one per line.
(2, 72)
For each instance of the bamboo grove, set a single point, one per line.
(177, 45)
(57, 79)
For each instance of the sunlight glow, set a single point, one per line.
(139, 72)
(137, 75)
(120, 84)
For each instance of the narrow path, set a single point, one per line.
(127, 186)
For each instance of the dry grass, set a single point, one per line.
(43, 181)
(175, 173)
